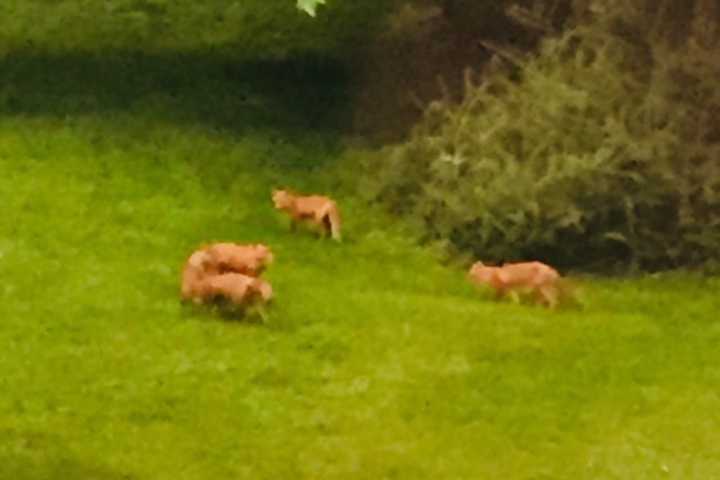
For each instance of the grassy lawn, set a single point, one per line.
(376, 363)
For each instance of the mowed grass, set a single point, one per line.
(376, 362)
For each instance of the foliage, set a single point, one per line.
(309, 6)
(249, 29)
(376, 362)
(602, 148)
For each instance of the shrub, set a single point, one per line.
(600, 149)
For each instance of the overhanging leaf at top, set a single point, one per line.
(309, 6)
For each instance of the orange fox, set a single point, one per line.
(230, 257)
(535, 277)
(314, 208)
(238, 288)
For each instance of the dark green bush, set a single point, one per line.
(603, 149)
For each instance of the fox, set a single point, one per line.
(535, 277)
(316, 209)
(238, 288)
(249, 260)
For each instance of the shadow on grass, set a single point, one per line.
(224, 311)
(36, 456)
(201, 88)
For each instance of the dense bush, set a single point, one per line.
(603, 148)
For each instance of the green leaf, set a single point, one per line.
(309, 6)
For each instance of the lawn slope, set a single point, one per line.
(377, 362)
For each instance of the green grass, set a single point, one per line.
(377, 362)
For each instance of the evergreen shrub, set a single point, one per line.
(602, 150)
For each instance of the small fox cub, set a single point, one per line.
(316, 209)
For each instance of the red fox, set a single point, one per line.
(314, 208)
(238, 288)
(534, 277)
(247, 259)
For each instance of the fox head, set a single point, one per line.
(281, 198)
(199, 259)
(481, 272)
(263, 288)
(265, 253)
(262, 258)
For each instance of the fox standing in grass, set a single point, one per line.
(534, 277)
(316, 209)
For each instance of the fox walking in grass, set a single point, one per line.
(526, 277)
(316, 209)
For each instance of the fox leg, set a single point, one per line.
(259, 308)
(334, 219)
(335, 231)
(326, 224)
(550, 294)
(499, 293)
(514, 296)
(330, 220)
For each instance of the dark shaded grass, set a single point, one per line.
(205, 87)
